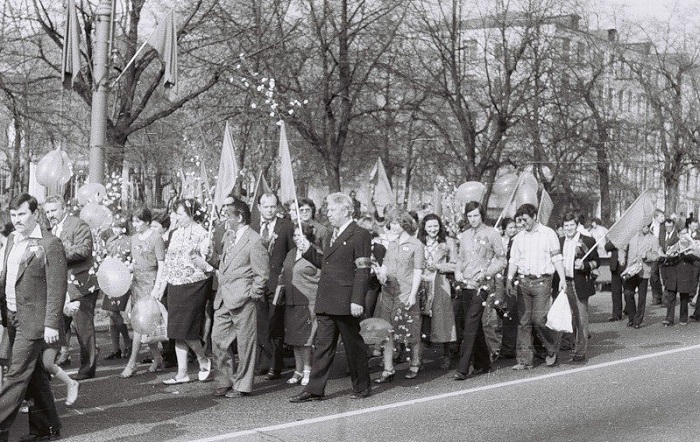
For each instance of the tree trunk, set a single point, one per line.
(603, 178)
(671, 192)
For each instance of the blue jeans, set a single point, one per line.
(533, 304)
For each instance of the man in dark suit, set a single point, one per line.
(278, 238)
(659, 230)
(677, 269)
(76, 237)
(580, 285)
(615, 281)
(345, 271)
(33, 281)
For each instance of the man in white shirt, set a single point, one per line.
(535, 256)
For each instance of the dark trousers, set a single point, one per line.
(27, 378)
(616, 290)
(83, 322)
(655, 281)
(473, 339)
(636, 311)
(671, 306)
(270, 325)
(329, 328)
(509, 326)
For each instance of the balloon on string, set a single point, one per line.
(91, 193)
(113, 277)
(526, 195)
(96, 215)
(504, 185)
(470, 191)
(496, 201)
(54, 169)
(145, 316)
(528, 180)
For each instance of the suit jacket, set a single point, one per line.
(345, 270)
(243, 270)
(77, 242)
(584, 282)
(665, 244)
(40, 287)
(280, 245)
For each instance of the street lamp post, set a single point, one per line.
(103, 15)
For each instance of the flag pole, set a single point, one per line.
(132, 60)
(172, 10)
(618, 220)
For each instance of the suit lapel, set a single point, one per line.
(347, 233)
(235, 248)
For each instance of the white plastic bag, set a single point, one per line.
(559, 316)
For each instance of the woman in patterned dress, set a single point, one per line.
(439, 252)
(147, 255)
(400, 275)
(188, 284)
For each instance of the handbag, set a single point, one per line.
(425, 297)
(160, 331)
(559, 317)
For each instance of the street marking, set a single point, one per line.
(262, 430)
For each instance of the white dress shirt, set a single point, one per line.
(14, 259)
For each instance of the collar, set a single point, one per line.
(241, 230)
(574, 239)
(342, 228)
(270, 223)
(535, 228)
(35, 234)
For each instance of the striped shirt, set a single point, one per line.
(534, 253)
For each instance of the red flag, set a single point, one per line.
(287, 188)
(545, 209)
(164, 41)
(70, 59)
(638, 214)
(382, 194)
(228, 169)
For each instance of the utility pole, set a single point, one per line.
(103, 16)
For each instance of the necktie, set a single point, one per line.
(334, 236)
(265, 233)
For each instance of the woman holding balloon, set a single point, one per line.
(187, 287)
(147, 255)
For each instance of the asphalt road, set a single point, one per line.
(639, 385)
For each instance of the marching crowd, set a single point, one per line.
(241, 295)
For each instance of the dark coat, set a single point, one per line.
(40, 287)
(345, 270)
(278, 247)
(584, 281)
(77, 241)
(677, 272)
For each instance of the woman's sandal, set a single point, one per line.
(129, 371)
(296, 377)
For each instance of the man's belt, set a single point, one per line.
(546, 275)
